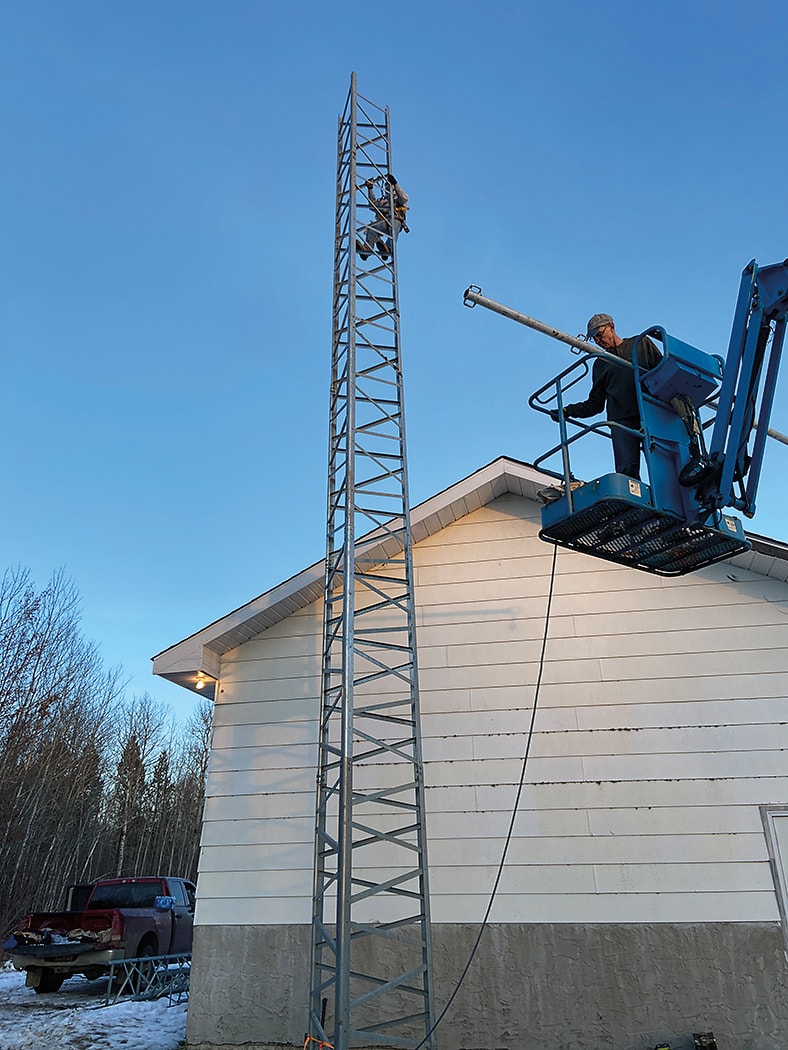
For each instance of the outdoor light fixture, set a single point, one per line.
(200, 681)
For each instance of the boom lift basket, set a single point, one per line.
(660, 526)
(677, 521)
(614, 518)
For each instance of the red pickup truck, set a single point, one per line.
(103, 922)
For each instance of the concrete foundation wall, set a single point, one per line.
(530, 987)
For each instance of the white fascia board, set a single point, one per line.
(195, 660)
(190, 661)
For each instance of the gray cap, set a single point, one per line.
(596, 322)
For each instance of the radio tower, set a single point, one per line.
(371, 948)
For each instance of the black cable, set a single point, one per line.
(515, 808)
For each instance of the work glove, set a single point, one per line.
(554, 414)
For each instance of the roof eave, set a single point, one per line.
(194, 662)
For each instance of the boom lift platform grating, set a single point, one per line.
(613, 517)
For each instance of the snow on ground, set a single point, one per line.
(75, 1018)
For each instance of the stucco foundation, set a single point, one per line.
(530, 987)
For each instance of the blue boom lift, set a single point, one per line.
(704, 423)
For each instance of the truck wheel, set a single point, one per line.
(145, 951)
(49, 981)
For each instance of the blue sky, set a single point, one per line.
(166, 222)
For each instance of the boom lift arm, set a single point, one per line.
(757, 336)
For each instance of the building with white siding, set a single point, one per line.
(643, 894)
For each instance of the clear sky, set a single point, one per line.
(166, 245)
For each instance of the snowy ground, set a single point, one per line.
(76, 1019)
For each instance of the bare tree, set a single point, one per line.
(91, 784)
(55, 700)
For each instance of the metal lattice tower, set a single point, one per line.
(371, 950)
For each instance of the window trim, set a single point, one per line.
(777, 862)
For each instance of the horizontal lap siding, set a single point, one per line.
(674, 852)
(662, 727)
(261, 777)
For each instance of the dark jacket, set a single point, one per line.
(613, 386)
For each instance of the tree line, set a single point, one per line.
(92, 784)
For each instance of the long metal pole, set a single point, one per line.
(472, 297)
(344, 824)
(776, 435)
